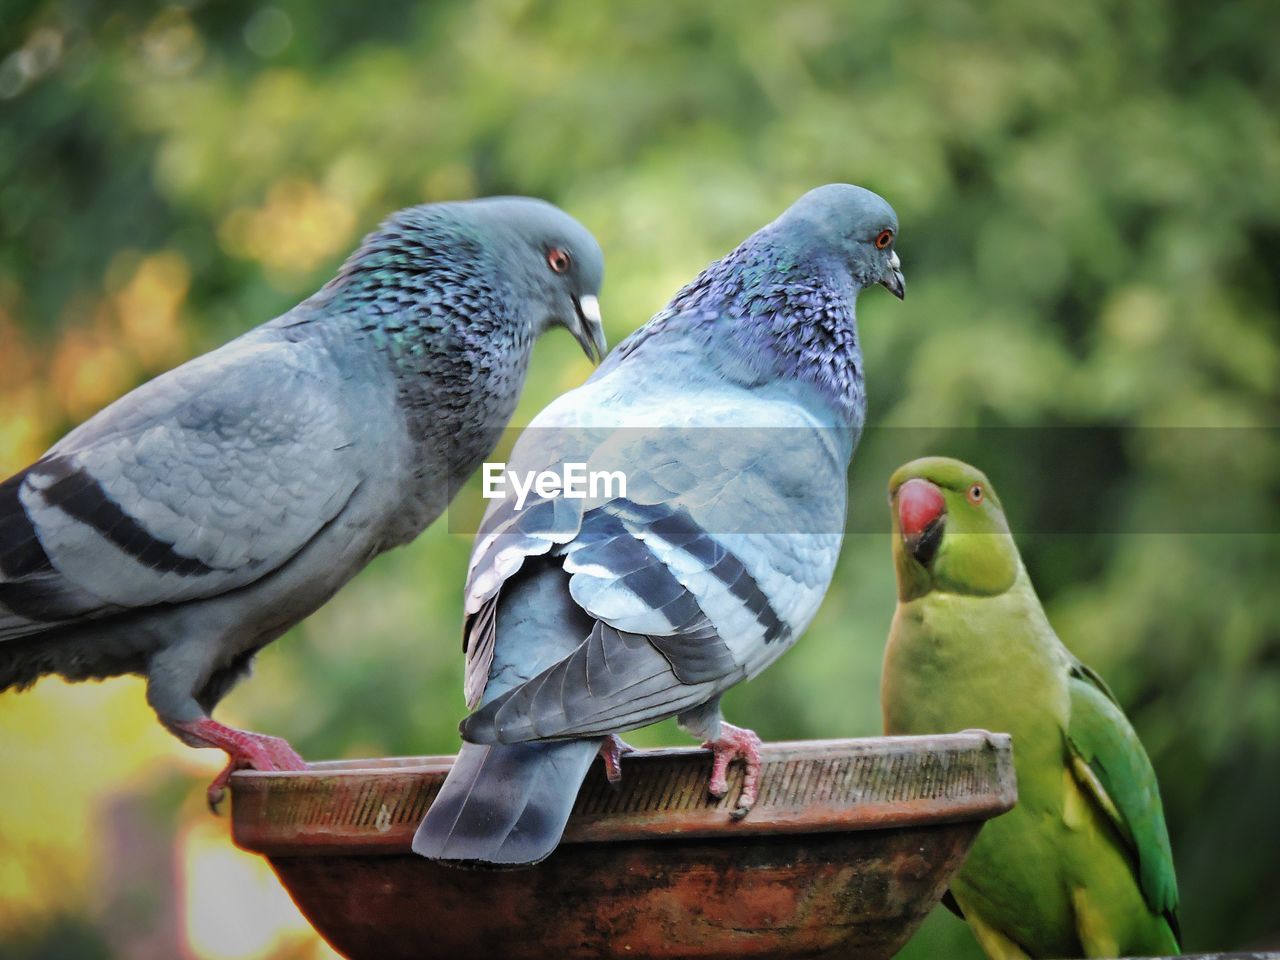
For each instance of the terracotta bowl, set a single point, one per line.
(850, 845)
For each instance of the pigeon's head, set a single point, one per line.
(949, 531)
(551, 259)
(856, 225)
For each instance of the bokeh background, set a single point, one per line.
(1090, 205)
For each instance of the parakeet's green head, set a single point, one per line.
(949, 531)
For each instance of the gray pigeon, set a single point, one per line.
(732, 415)
(199, 517)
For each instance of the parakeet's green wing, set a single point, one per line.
(1114, 769)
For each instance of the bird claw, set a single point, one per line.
(611, 752)
(734, 743)
(245, 751)
(218, 789)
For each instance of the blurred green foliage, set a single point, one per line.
(1090, 204)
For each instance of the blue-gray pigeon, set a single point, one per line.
(732, 415)
(199, 517)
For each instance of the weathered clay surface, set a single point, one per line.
(849, 846)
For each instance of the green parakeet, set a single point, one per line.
(1082, 865)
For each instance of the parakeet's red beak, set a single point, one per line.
(919, 504)
(921, 511)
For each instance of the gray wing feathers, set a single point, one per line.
(614, 680)
(650, 650)
(195, 484)
(479, 638)
(32, 593)
(507, 536)
(537, 621)
(617, 578)
(506, 540)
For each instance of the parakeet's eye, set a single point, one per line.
(885, 238)
(558, 259)
(975, 493)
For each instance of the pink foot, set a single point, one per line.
(245, 751)
(735, 742)
(611, 752)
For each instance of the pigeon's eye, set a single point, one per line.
(884, 239)
(558, 259)
(975, 493)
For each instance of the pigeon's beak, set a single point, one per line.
(587, 327)
(893, 279)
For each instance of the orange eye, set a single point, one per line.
(558, 259)
(884, 239)
(975, 493)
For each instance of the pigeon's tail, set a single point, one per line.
(505, 804)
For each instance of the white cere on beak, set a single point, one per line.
(590, 308)
(894, 262)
